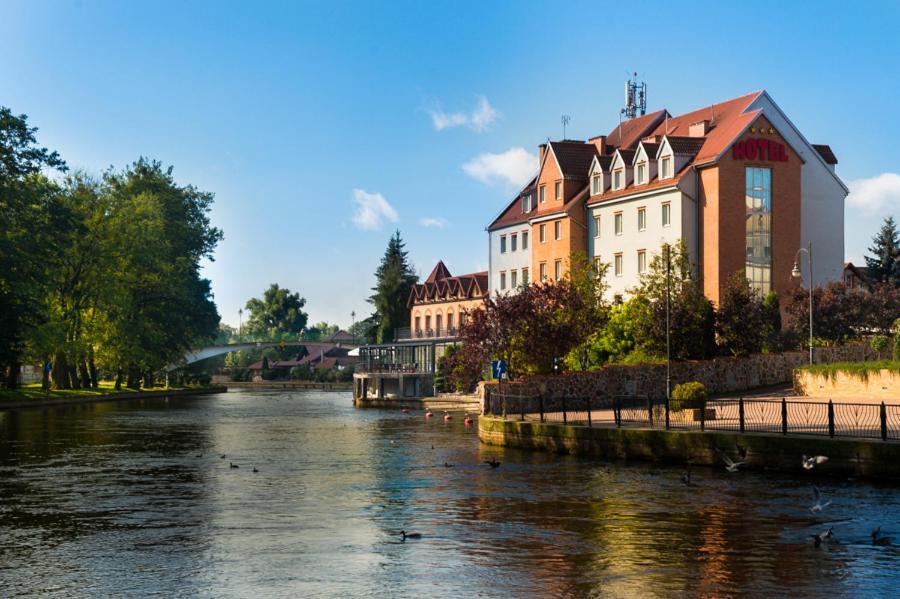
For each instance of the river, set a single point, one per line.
(134, 499)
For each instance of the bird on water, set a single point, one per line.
(822, 537)
(493, 463)
(233, 465)
(254, 469)
(409, 535)
(811, 462)
(879, 539)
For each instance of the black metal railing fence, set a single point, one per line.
(751, 415)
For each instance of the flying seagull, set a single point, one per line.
(818, 506)
(822, 537)
(730, 464)
(811, 462)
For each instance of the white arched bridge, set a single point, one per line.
(209, 351)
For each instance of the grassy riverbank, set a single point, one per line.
(33, 392)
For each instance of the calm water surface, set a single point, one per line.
(116, 499)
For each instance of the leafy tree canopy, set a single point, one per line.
(279, 312)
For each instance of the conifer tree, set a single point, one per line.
(884, 265)
(394, 279)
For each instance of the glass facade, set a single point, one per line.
(759, 228)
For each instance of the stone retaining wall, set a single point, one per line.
(883, 385)
(719, 375)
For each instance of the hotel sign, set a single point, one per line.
(759, 149)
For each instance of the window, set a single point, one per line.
(557, 269)
(597, 227)
(758, 196)
(598, 265)
(642, 261)
(641, 172)
(428, 322)
(418, 323)
(557, 230)
(512, 279)
(503, 244)
(526, 202)
(618, 223)
(450, 320)
(524, 276)
(666, 214)
(513, 239)
(559, 190)
(462, 318)
(642, 219)
(437, 322)
(595, 185)
(543, 271)
(542, 190)
(618, 265)
(502, 280)
(665, 167)
(617, 179)
(543, 233)
(524, 240)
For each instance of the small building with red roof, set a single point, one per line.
(439, 305)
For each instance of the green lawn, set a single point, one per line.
(33, 391)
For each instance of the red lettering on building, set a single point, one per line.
(759, 149)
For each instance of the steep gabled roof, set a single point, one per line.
(513, 214)
(650, 149)
(574, 157)
(439, 272)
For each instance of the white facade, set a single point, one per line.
(822, 200)
(633, 240)
(510, 258)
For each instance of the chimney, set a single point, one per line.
(698, 129)
(600, 143)
(542, 149)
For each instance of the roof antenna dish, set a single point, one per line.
(565, 121)
(635, 98)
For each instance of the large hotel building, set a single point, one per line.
(736, 181)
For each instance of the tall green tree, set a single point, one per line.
(884, 264)
(394, 279)
(278, 313)
(30, 217)
(741, 320)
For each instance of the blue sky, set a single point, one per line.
(323, 127)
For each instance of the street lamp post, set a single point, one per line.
(795, 272)
(240, 324)
(668, 333)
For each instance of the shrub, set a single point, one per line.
(879, 343)
(896, 330)
(688, 395)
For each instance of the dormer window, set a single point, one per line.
(595, 185)
(665, 167)
(642, 173)
(526, 203)
(618, 178)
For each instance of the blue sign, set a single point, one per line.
(498, 368)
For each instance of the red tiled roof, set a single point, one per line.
(513, 214)
(826, 153)
(446, 287)
(688, 146)
(630, 132)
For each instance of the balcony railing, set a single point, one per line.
(407, 333)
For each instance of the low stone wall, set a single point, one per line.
(883, 385)
(719, 375)
(847, 457)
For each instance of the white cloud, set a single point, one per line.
(480, 119)
(371, 210)
(876, 194)
(437, 222)
(514, 166)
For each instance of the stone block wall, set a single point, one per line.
(882, 385)
(719, 375)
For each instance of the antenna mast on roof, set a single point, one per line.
(565, 121)
(635, 98)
